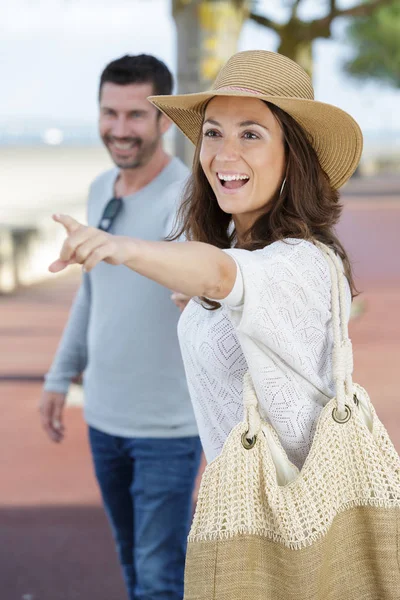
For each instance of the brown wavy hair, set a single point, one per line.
(308, 206)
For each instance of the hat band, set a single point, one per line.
(234, 88)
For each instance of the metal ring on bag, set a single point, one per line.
(344, 419)
(248, 443)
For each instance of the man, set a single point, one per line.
(122, 334)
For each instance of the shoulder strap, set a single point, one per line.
(342, 359)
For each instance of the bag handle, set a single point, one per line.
(342, 356)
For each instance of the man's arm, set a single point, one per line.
(69, 362)
(71, 356)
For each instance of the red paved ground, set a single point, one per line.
(55, 544)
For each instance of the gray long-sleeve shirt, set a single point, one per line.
(122, 328)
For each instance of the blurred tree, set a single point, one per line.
(376, 41)
(296, 36)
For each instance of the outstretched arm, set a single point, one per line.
(192, 268)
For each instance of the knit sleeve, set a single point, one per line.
(282, 300)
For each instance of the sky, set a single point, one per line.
(52, 53)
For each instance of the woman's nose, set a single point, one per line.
(228, 149)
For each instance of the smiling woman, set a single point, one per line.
(243, 157)
(259, 193)
(265, 343)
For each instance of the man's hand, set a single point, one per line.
(51, 409)
(180, 300)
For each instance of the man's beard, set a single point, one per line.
(144, 152)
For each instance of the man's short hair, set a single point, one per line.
(142, 68)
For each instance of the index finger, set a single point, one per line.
(69, 223)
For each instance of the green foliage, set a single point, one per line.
(376, 41)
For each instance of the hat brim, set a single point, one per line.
(333, 133)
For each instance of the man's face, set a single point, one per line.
(130, 127)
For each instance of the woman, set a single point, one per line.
(269, 160)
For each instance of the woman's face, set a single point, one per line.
(242, 155)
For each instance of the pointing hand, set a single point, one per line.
(88, 246)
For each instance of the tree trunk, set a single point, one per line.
(207, 35)
(300, 51)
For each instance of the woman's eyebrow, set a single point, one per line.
(212, 122)
(250, 123)
(242, 124)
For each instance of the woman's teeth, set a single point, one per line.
(233, 182)
(232, 177)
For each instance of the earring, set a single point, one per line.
(282, 186)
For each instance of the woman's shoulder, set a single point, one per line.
(294, 250)
(291, 260)
(298, 261)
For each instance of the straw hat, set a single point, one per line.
(335, 136)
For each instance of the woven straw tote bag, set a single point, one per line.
(265, 530)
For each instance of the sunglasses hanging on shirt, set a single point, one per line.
(110, 213)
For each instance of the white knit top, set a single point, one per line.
(276, 323)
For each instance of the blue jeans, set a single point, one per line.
(146, 486)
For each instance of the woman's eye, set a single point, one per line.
(249, 135)
(211, 133)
